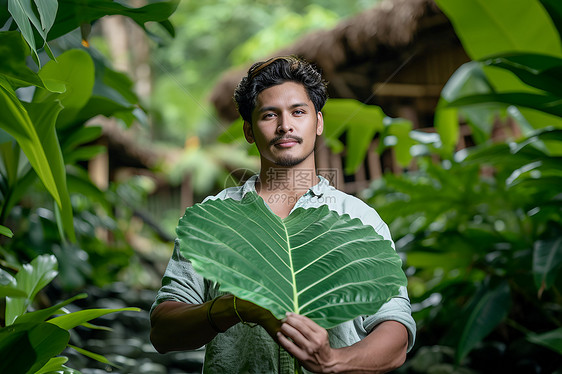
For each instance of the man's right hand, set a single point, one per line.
(252, 313)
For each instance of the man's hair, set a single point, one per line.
(275, 71)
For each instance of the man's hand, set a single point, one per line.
(253, 313)
(308, 342)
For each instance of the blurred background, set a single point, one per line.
(444, 116)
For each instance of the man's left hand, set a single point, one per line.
(308, 342)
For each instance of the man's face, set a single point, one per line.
(285, 126)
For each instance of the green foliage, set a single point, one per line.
(49, 19)
(360, 123)
(480, 241)
(6, 231)
(481, 228)
(43, 142)
(314, 262)
(187, 67)
(284, 30)
(25, 14)
(510, 49)
(30, 342)
(69, 91)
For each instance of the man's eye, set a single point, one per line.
(298, 112)
(269, 115)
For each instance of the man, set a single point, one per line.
(280, 101)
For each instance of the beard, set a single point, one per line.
(291, 161)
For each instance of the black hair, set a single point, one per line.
(274, 71)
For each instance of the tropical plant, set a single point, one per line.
(314, 262)
(47, 125)
(481, 230)
(44, 138)
(43, 144)
(490, 239)
(32, 341)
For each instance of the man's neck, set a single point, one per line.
(286, 180)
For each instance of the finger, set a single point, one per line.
(294, 334)
(291, 347)
(307, 327)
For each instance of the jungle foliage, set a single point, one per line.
(45, 104)
(481, 229)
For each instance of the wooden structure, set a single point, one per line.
(397, 55)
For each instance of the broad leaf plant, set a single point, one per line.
(315, 262)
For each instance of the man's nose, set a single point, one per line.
(285, 123)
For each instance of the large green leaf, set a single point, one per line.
(73, 13)
(16, 121)
(554, 9)
(24, 16)
(503, 26)
(15, 344)
(48, 341)
(488, 308)
(360, 121)
(545, 103)
(547, 260)
(113, 95)
(12, 65)
(76, 69)
(71, 320)
(540, 71)
(42, 314)
(44, 116)
(30, 345)
(41, 16)
(315, 262)
(31, 279)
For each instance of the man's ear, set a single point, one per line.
(248, 133)
(319, 123)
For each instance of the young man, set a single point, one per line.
(280, 101)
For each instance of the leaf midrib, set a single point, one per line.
(292, 268)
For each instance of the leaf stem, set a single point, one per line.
(294, 283)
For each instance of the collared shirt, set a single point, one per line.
(242, 349)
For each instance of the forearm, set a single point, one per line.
(180, 326)
(383, 350)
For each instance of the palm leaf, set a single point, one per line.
(315, 262)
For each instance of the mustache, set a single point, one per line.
(279, 138)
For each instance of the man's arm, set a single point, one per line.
(384, 349)
(180, 326)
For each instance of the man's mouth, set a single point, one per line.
(286, 142)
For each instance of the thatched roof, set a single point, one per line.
(361, 50)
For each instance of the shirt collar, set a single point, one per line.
(316, 190)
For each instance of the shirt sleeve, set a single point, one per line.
(180, 282)
(396, 309)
